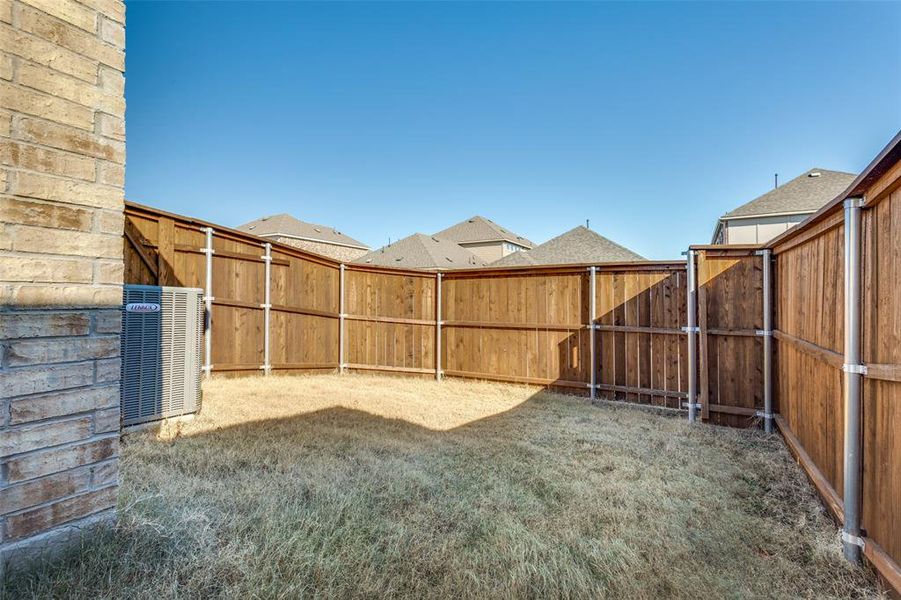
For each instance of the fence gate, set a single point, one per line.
(731, 331)
(162, 328)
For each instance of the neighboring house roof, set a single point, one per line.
(806, 193)
(285, 225)
(420, 251)
(522, 258)
(480, 229)
(579, 245)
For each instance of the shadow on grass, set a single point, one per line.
(552, 497)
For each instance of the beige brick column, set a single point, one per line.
(62, 173)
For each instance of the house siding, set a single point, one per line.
(488, 251)
(758, 230)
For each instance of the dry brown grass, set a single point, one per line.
(362, 486)
(420, 402)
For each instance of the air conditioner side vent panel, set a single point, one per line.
(160, 353)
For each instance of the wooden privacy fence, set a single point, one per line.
(526, 326)
(813, 364)
(536, 325)
(615, 329)
(835, 329)
(730, 334)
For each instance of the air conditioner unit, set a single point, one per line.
(162, 329)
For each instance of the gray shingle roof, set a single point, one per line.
(420, 251)
(579, 245)
(293, 227)
(480, 229)
(805, 193)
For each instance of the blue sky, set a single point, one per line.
(385, 119)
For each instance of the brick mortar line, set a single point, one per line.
(15, 310)
(66, 51)
(94, 437)
(74, 307)
(65, 153)
(15, 136)
(77, 469)
(53, 203)
(44, 255)
(90, 412)
(97, 25)
(44, 283)
(71, 178)
(47, 420)
(38, 200)
(26, 254)
(66, 389)
(101, 13)
(19, 168)
(91, 335)
(112, 460)
(89, 490)
(93, 229)
(75, 79)
(55, 97)
(97, 437)
(38, 395)
(16, 80)
(69, 523)
(61, 202)
(88, 285)
(21, 115)
(86, 468)
(53, 421)
(95, 33)
(87, 521)
(8, 368)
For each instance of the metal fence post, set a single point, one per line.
(592, 307)
(208, 303)
(767, 333)
(341, 319)
(854, 370)
(692, 331)
(438, 326)
(267, 305)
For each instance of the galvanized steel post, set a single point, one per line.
(208, 302)
(692, 330)
(341, 319)
(592, 307)
(767, 256)
(438, 278)
(853, 382)
(267, 305)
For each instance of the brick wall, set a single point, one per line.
(62, 171)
